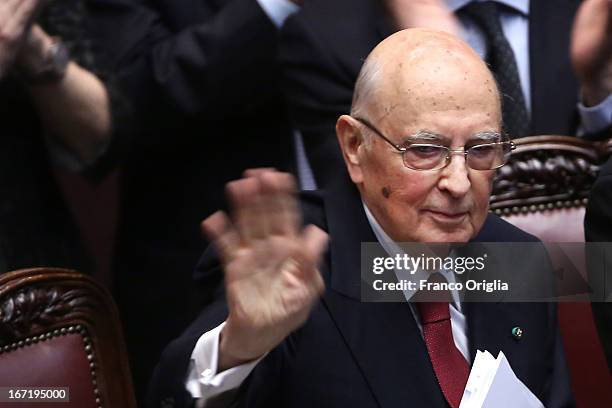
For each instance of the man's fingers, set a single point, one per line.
(315, 242)
(14, 17)
(280, 203)
(246, 202)
(220, 231)
(215, 225)
(22, 14)
(257, 171)
(303, 262)
(264, 203)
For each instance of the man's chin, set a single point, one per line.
(461, 233)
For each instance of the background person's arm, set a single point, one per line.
(591, 52)
(74, 109)
(215, 62)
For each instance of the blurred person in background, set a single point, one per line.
(57, 108)
(526, 44)
(203, 81)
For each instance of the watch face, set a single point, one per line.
(54, 66)
(59, 59)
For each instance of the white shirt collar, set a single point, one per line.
(393, 249)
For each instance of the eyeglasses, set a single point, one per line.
(425, 156)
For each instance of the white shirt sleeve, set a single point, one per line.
(278, 10)
(596, 118)
(203, 380)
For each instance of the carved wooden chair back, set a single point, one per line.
(544, 187)
(60, 329)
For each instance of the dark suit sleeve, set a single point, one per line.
(207, 60)
(320, 67)
(317, 95)
(316, 85)
(167, 387)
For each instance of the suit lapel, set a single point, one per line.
(382, 337)
(388, 349)
(490, 328)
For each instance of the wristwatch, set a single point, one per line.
(53, 67)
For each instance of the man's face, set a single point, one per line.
(446, 205)
(422, 82)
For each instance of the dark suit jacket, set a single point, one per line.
(598, 228)
(322, 55)
(202, 79)
(354, 354)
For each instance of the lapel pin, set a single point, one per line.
(517, 333)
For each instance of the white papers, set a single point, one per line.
(493, 384)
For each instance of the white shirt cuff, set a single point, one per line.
(596, 118)
(203, 381)
(278, 10)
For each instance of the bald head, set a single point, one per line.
(420, 69)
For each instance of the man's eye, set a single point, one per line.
(483, 150)
(426, 150)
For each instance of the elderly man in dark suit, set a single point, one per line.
(421, 147)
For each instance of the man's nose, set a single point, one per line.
(455, 177)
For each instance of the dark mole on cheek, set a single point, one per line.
(386, 192)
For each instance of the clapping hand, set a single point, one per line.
(16, 17)
(270, 263)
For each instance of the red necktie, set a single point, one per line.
(451, 369)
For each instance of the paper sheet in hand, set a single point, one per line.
(493, 384)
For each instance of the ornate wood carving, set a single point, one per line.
(41, 303)
(547, 172)
(34, 309)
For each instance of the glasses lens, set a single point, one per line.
(488, 156)
(424, 156)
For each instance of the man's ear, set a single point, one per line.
(351, 143)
